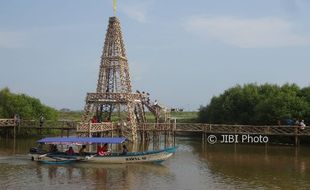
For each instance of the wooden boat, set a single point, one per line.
(113, 158)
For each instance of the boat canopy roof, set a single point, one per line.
(82, 140)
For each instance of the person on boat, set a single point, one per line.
(103, 150)
(125, 150)
(70, 151)
(82, 150)
(105, 147)
(53, 148)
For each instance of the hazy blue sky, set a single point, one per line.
(182, 52)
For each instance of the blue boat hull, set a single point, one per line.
(157, 156)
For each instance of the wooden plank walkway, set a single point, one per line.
(205, 128)
(168, 127)
(242, 129)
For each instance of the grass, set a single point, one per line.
(72, 115)
(185, 117)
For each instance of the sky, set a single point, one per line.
(182, 52)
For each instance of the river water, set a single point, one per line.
(194, 166)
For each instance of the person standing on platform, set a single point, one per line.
(41, 120)
(302, 125)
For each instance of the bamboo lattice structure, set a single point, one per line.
(113, 97)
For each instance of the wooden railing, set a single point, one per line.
(114, 97)
(175, 127)
(156, 127)
(48, 124)
(94, 127)
(7, 123)
(242, 129)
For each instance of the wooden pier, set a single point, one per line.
(64, 127)
(147, 130)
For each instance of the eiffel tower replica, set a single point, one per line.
(113, 100)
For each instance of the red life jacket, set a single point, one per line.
(101, 151)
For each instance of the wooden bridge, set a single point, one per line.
(63, 126)
(7, 123)
(172, 128)
(242, 129)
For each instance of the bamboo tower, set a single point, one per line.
(113, 99)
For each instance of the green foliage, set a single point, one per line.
(25, 106)
(258, 104)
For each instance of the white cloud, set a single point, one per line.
(10, 40)
(247, 33)
(136, 10)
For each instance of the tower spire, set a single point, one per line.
(114, 7)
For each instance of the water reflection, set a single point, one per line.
(16, 171)
(271, 167)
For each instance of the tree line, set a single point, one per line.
(24, 106)
(254, 104)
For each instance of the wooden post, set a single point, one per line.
(203, 134)
(112, 130)
(296, 136)
(145, 136)
(40, 131)
(156, 138)
(89, 129)
(14, 132)
(165, 135)
(18, 127)
(141, 132)
(174, 130)
(296, 140)
(14, 139)
(173, 138)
